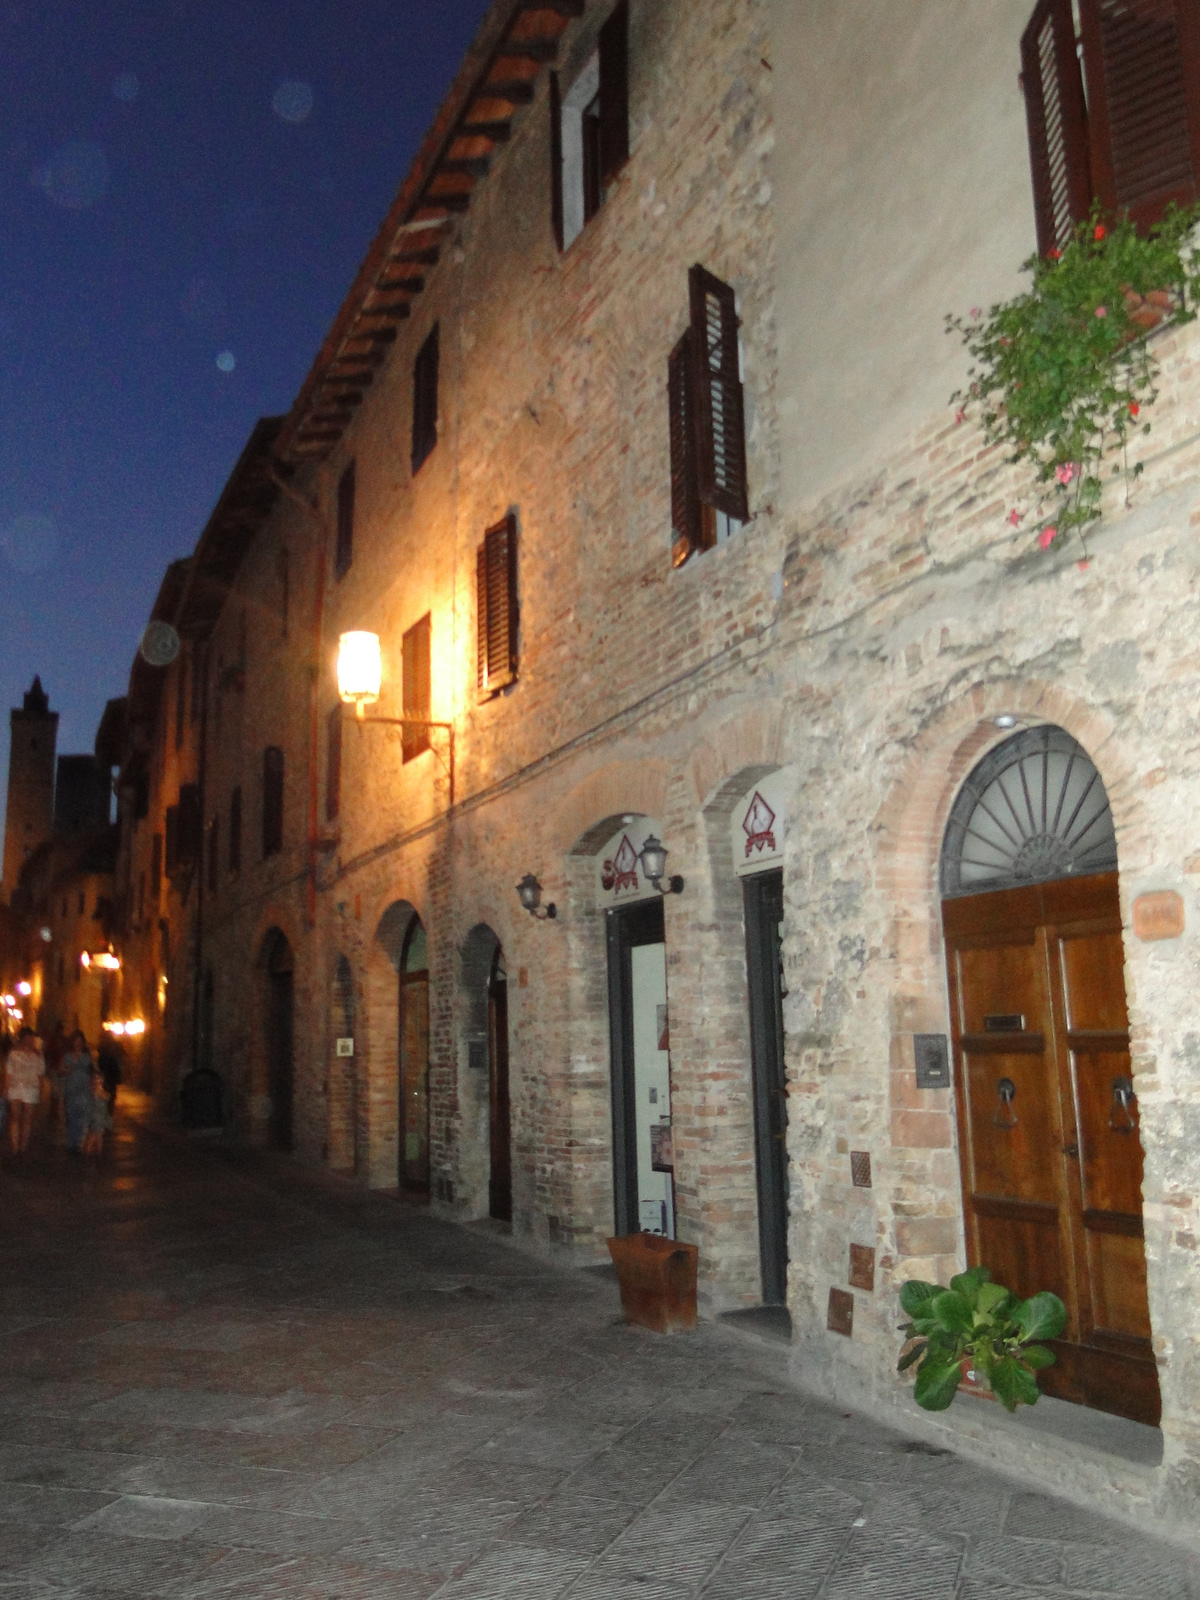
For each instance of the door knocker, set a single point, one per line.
(1121, 1117)
(1006, 1093)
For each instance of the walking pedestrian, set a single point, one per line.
(23, 1088)
(76, 1079)
(53, 1049)
(109, 1062)
(99, 1116)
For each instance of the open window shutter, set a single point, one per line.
(720, 426)
(685, 498)
(1143, 74)
(417, 687)
(556, 160)
(1056, 115)
(345, 522)
(614, 92)
(481, 616)
(497, 577)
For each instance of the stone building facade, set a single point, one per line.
(337, 932)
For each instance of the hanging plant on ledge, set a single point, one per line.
(1062, 373)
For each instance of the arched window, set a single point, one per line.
(1033, 810)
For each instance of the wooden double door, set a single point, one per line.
(1048, 1124)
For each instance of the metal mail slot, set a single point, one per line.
(1011, 1022)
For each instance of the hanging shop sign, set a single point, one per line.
(620, 877)
(758, 826)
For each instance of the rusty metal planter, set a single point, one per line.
(658, 1281)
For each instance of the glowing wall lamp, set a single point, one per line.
(359, 670)
(653, 856)
(102, 960)
(25, 988)
(360, 678)
(529, 892)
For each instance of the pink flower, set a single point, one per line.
(1101, 311)
(1014, 516)
(1047, 537)
(1083, 565)
(1065, 473)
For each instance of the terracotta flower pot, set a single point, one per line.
(658, 1280)
(971, 1384)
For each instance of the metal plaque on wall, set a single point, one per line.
(932, 1053)
(841, 1313)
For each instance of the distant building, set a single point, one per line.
(30, 815)
(82, 796)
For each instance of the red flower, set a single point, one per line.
(1047, 537)
(1134, 408)
(1056, 255)
(1100, 231)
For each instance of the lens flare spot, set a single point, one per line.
(293, 101)
(75, 176)
(125, 86)
(226, 361)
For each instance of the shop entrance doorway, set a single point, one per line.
(1048, 1118)
(414, 1061)
(499, 1107)
(643, 1162)
(280, 1051)
(764, 918)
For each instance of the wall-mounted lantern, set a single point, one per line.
(529, 892)
(360, 678)
(653, 857)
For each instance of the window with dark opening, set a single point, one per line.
(235, 831)
(156, 869)
(272, 801)
(333, 763)
(418, 687)
(1113, 113)
(589, 131)
(345, 522)
(496, 602)
(425, 400)
(709, 499)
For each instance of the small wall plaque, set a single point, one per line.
(862, 1267)
(345, 1047)
(860, 1168)
(1158, 916)
(932, 1054)
(841, 1312)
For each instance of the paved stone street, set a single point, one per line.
(225, 1378)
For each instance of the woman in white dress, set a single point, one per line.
(23, 1088)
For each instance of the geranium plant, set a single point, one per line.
(1063, 372)
(982, 1323)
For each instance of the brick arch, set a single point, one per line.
(746, 746)
(619, 789)
(270, 924)
(911, 823)
(384, 903)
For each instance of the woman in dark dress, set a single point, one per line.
(76, 1079)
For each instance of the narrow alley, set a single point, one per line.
(224, 1377)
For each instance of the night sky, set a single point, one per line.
(187, 188)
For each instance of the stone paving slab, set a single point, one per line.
(227, 1379)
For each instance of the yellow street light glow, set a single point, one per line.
(359, 669)
(24, 988)
(134, 1029)
(104, 959)
(9, 999)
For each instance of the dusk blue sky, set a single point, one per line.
(187, 188)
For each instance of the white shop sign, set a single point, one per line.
(758, 827)
(620, 880)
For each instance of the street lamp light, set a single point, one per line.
(359, 669)
(653, 856)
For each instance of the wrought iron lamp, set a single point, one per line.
(529, 892)
(653, 856)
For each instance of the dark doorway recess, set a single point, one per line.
(500, 1112)
(414, 1061)
(280, 1053)
(629, 929)
(764, 913)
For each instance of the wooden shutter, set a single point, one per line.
(720, 427)
(191, 826)
(272, 810)
(235, 830)
(172, 831)
(685, 497)
(496, 584)
(345, 522)
(333, 763)
(1056, 116)
(614, 92)
(1142, 59)
(418, 688)
(425, 399)
(556, 161)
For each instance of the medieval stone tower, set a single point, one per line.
(30, 784)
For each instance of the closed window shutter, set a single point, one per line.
(717, 388)
(156, 868)
(191, 825)
(333, 764)
(614, 93)
(172, 830)
(556, 160)
(425, 399)
(481, 616)
(345, 522)
(497, 599)
(685, 498)
(1142, 59)
(272, 813)
(1056, 116)
(235, 830)
(417, 688)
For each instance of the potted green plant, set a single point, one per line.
(978, 1325)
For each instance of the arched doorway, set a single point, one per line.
(485, 979)
(280, 970)
(1048, 1123)
(414, 1060)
